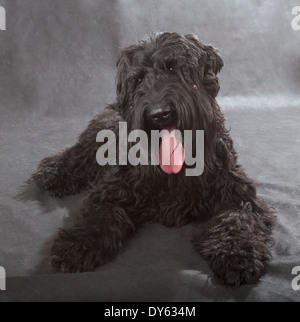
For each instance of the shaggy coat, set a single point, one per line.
(180, 73)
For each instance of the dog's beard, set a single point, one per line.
(169, 150)
(193, 112)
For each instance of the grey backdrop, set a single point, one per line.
(57, 67)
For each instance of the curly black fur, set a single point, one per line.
(181, 72)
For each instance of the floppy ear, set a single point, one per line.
(125, 73)
(213, 63)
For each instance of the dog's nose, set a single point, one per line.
(161, 114)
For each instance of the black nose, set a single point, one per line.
(161, 114)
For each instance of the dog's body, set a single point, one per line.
(166, 82)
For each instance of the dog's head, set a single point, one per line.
(170, 82)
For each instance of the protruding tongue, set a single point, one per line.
(171, 151)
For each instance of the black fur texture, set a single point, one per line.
(180, 72)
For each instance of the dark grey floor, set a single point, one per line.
(56, 72)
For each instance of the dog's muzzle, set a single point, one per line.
(161, 115)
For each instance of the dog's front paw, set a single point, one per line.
(238, 263)
(77, 250)
(47, 174)
(236, 245)
(238, 268)
(52, 176)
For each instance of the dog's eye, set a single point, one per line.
(170, 67)
(139, 79)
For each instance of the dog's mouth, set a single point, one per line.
(171, 151)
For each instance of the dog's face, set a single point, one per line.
(169, 82)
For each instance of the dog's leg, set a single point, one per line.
(236, 243)
(98, 235)
(236, 240)
(73, 169)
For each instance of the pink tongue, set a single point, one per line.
(171, 152)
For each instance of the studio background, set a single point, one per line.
(57, 69)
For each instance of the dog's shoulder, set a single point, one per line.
(108, 118)
(111, 114)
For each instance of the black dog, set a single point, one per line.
(168, 81)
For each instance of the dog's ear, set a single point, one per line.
(210, 62)
(214, 64)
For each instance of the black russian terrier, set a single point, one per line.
(168, 81)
